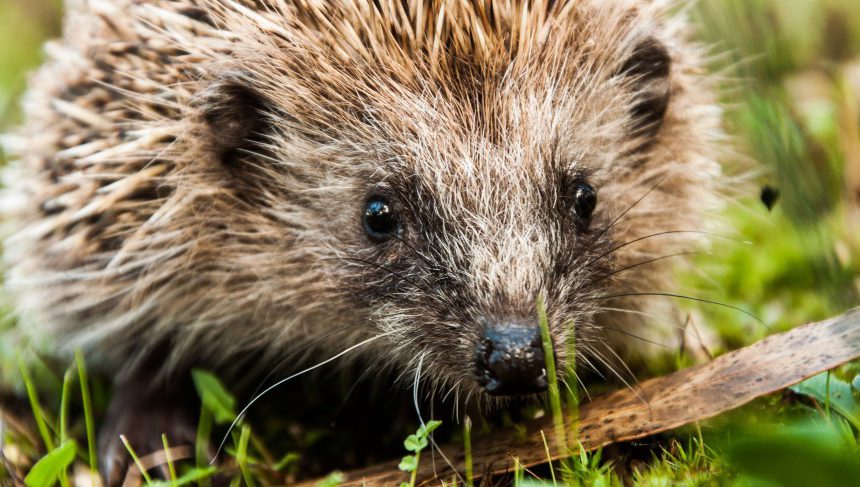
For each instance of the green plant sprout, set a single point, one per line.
(416, 443)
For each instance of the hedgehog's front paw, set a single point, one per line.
(142, 419)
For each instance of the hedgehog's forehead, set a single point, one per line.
(491, 210)
(480, 191)
(505, 169)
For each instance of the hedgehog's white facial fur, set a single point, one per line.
(208, 189)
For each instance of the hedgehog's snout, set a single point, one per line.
(509, 360)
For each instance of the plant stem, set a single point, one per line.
(414, 476)
(88, 412)
(467, 446)
(552, 378)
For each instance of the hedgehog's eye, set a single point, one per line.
(380, 222)
(584, 200)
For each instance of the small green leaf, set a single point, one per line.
(841, 395)
(404, 484)
(333, 480)
(536, 483)
(425, 429)
(408, 464)
(215, 396)
(415, 443)
(856, 383)
(288, 459)
(193, 476)
(48, 470)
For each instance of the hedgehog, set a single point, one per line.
(218, 183)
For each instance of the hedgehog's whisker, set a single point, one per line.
(682, 296)
(301, 350)
(658, 234)
(293, 376)
(436, 448)
(564, 382)
(627, 368)
(415, 387)
(451, 390)
(623, 332)
(644, 262)
(415, 251)
(387, 270)
(640, 313)
(621, 215)
(603, 360)
(582, 356)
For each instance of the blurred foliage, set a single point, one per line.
(24, 25)
(792, 84)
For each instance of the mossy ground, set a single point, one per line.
(792, 89)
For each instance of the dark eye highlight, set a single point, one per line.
(584, 200)
(380, 221)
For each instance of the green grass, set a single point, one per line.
(793, 92)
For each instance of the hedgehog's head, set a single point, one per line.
(434, 175)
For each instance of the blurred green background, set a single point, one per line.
(791, 71)
(24, 25)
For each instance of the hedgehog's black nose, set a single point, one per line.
(510, 360)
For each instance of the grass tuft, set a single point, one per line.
(136, 460)
(89, 421)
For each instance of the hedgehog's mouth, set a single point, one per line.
(509, 360)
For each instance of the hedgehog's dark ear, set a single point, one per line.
(234, 115)
(648, 70)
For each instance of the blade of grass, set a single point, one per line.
(554, 392)
(88, 412)
(552, 379)
(467, 446)
(65, 397)
(260, 446)
(572, 384)
(136, 459)
(169, 457)
(38, 414)
(548, 458)
(242, 455)
(518, 472)
(204, 432)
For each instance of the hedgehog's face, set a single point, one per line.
(440, 198)
(460, 230)
(455, 272)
